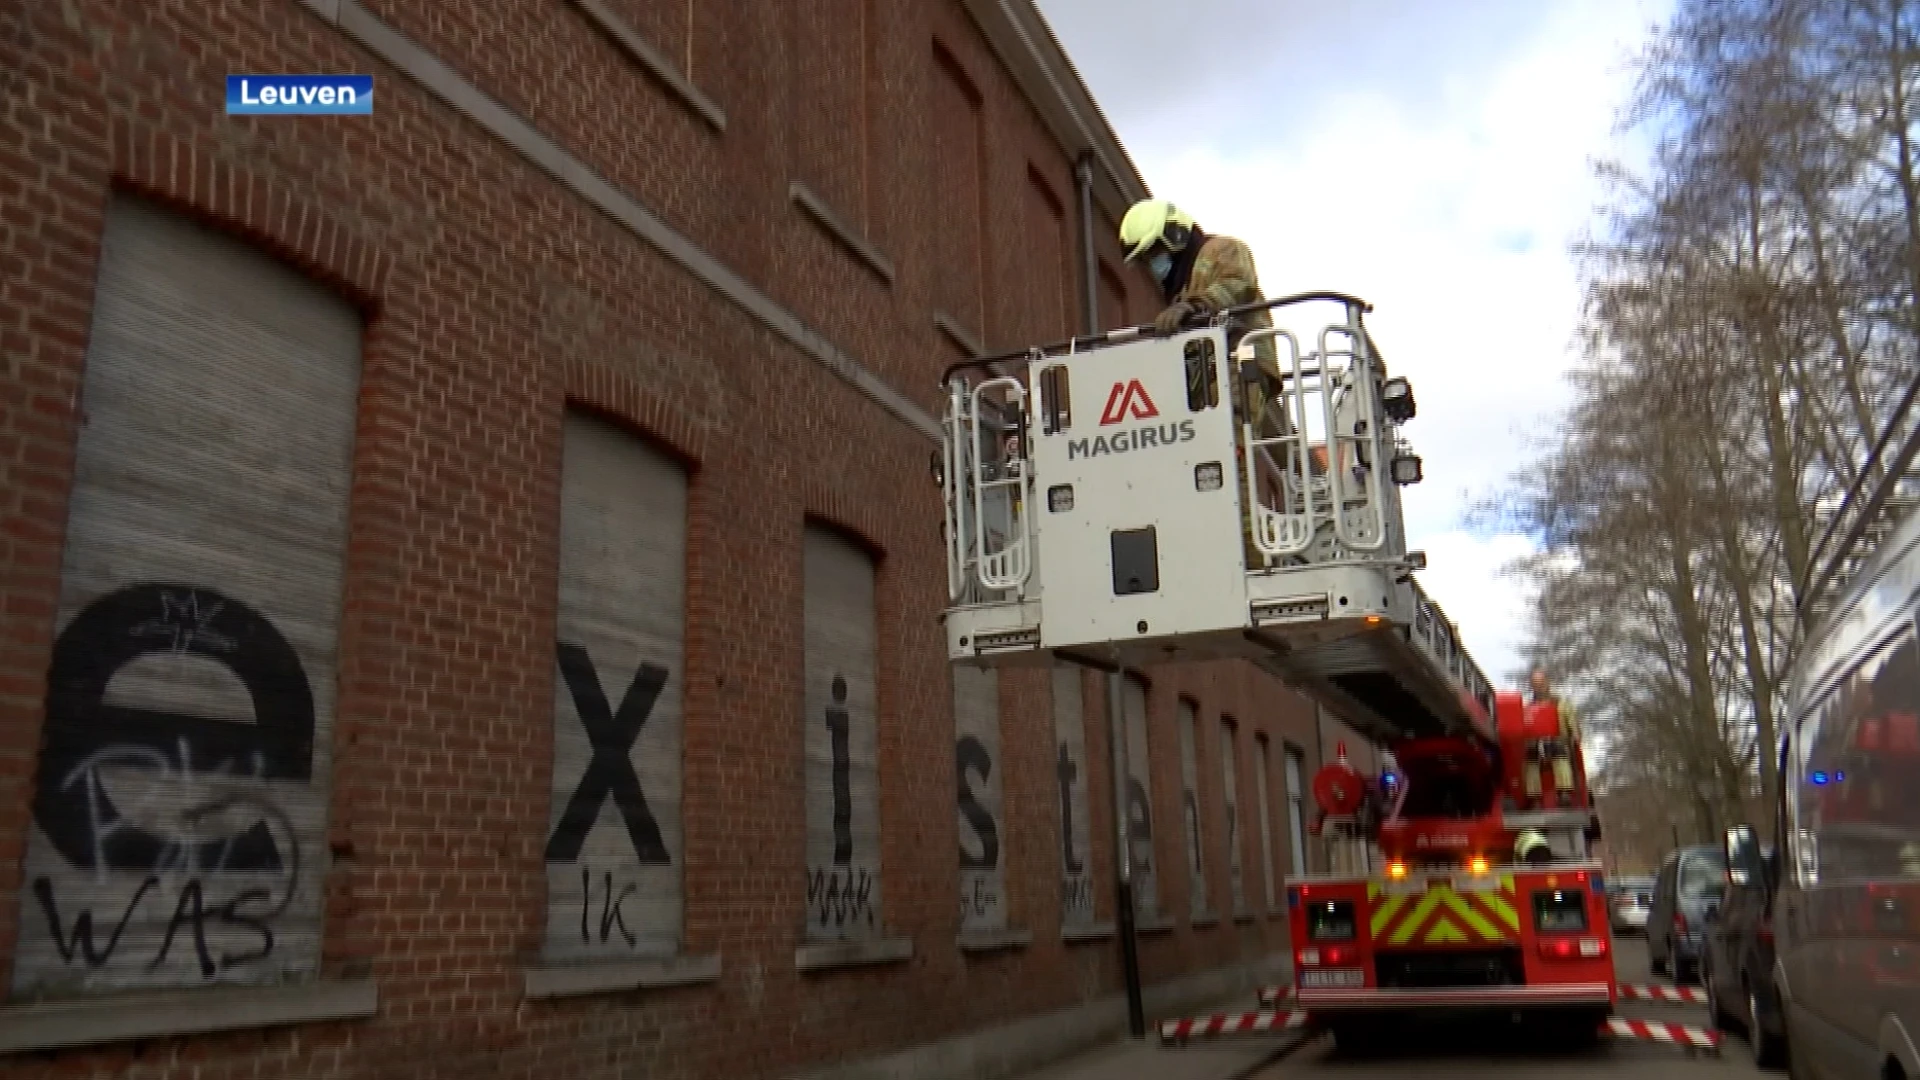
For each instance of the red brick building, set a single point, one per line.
(471, 570)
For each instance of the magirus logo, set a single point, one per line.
(1146, 437)
(1128, 400)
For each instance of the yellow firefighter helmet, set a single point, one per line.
(1531, 847)
(1150, 221)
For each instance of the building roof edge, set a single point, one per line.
(1025, 44)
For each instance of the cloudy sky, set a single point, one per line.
(1432, 156)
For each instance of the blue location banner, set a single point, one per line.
(299, 95)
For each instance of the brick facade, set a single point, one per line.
(494, 299)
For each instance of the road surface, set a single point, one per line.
(1435, 1055)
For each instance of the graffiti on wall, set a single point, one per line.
(1229, 790)
(1190, 809)
(840, 895)
(1070, 775)
(1146, 889)
(173, 837)
(613, 881)
(1140, 835)
(609, 781)
(976, 717)
(843, 886)
(609, 773)
(181, 789)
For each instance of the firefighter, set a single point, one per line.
(1200, 276)
(1556, 749)
(1531, 848)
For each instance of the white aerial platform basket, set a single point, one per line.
(1138, 474)
(1100, 508)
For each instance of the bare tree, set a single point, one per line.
(1750, 318)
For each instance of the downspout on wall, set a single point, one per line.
(1116, 700)
(1089, 268)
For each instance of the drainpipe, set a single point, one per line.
(1089, 266)
(1124, 910)
(1116, 694)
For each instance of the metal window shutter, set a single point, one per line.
(1140, 801)
(1296, 814)
(183, 786)
(613, 846)
(1266, 817)
(1190, 809)
(983, 864)
(1230, 790)
(842, 743)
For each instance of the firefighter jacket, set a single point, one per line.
(1223, 276)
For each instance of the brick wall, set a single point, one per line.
(494, 299)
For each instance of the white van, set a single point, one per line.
(1846, 919)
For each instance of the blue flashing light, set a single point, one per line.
(1819, 779)
(1839, 776)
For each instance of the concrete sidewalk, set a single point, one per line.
(1145, 1059)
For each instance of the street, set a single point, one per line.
(1441, 1054)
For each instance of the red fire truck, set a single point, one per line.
(1427, 907)
(1164, 528)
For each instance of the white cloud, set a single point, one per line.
(1454, 221)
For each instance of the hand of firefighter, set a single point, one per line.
(1178, 312)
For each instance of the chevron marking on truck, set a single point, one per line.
(1251, 1023)
(1441, 916)
(1668, 995)
(1689, 1038)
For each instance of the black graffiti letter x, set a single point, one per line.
(610, 772)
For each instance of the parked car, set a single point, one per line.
(1691, 880)
(1847, 915)
(1628, 904)
(1737, 966)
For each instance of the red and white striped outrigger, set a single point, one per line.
(1666, 995)
(1274, 995)
(1263, 1022)
(1271, 1020)
(1688, 1038)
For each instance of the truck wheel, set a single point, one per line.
(1354, 1036)
(1579, 1029)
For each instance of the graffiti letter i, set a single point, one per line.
(838, 724)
